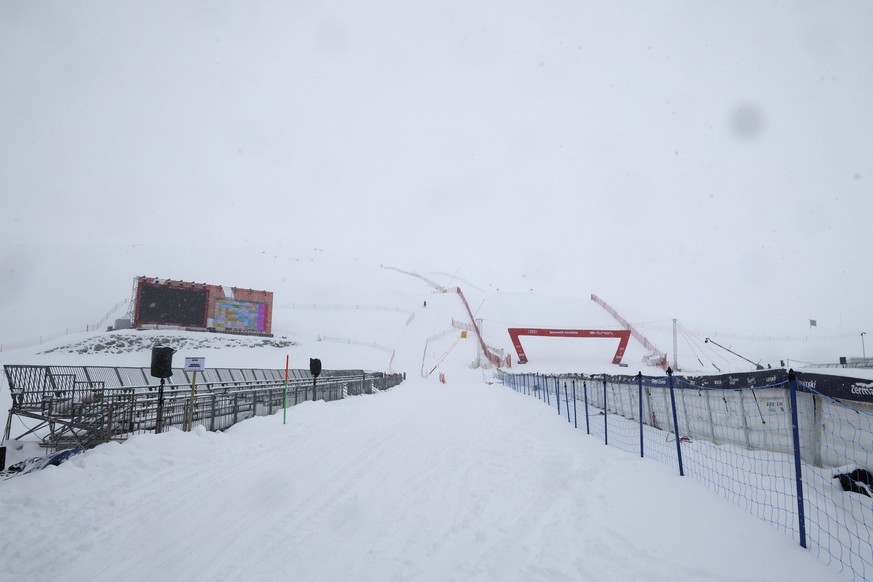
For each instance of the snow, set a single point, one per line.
(668, 158)
(705, 163)
(466, 480)
(462, 481)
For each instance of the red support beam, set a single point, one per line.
(623, 336)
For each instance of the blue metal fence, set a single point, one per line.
(770, 442)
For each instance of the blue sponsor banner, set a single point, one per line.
(843, 388)
(838, 387)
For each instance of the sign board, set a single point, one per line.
(195, 364)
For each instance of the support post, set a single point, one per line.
(558, 393)
(159, 421)
(190, 418)
(567, 401)
(605, 414)
(675, 421)
(711, 422)
(745, 420)
(285, 393)
(640, 386)
(817, 414)
(575, 420)
(212, 421)
(798, 473)
(585, 394)
(109, 415)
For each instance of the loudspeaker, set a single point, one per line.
(843, 360)
(162, 362)
(315, 366)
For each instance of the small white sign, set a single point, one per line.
(195, 364)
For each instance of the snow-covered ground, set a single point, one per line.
(466, 480)
(462, 481)
(704, 162)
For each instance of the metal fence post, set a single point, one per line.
(558, 393)
(798, 474)
(585, 393)
(575, 420)
(160, 411)
(567, 400)
(675, 421)
(605, 413)
(212, 420)
(546, 390)
(108, 422)
(640, 382)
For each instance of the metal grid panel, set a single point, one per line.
(210, 376)
(179, 378)
(26, 383)
(132, 376)
(76, 371)
(106, 375)
(300, 374)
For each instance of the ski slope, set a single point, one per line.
(465, 480)
(706, 162)
(427, 482)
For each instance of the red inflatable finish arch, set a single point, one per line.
(623, 336)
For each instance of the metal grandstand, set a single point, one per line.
(83, 406)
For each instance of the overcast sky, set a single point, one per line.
(695, 150)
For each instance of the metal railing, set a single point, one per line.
(83, 406)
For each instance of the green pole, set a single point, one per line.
(285, 393)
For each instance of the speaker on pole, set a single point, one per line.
(315, 370)
(315, 366)
(162, 362)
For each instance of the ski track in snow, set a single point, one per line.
(425, 482)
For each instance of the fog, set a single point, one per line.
(696, 160)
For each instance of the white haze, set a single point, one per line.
(705, 162)
(701, 161)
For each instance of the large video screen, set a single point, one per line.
(172, 306)
(238, 315)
